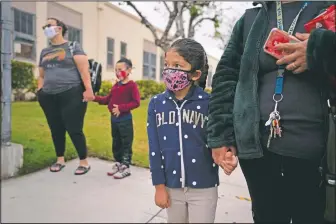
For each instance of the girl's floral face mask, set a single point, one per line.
(176, 79)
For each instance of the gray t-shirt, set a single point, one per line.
(301, 110)
(60, 70)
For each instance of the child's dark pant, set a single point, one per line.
(122, 137)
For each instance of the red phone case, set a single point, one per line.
(275, 37)
(325, 20)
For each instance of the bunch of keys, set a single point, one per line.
(274, 123)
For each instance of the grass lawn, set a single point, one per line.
(30, 128)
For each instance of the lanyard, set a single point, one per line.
(274, 119)
(281, 69)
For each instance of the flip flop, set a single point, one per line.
(58, 167)
(82, 168)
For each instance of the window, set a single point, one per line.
(24, 35)
(24, 48)
(123, 50)
(110, 52)
(24, 22)
(209, 81)
(162, 62)
(74, 34)
(149, 65)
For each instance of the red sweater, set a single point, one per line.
(126, 96)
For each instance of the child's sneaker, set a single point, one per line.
(115, 169)
(124, 171)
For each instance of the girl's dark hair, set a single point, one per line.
(61, 24)
(194, 53)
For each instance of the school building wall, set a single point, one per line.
(105, 32)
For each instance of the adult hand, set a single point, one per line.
(115, 110)
(88, 95)
(162, 197)
(296, 60)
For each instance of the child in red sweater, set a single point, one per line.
(123, 97)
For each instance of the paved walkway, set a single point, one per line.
(96, 198)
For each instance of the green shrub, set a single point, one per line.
(22, 75)
(22, 79)
(149, 88)
(105, 88)
(33, 87)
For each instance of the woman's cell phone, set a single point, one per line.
(275, 37)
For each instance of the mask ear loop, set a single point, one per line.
(190, 76)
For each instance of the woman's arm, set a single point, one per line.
(321, 51)
(83, 67)
(82, 64)
(220, 124)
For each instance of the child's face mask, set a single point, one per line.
(176, 79)
(121, 75)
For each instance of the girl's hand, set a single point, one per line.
(229, 163)
(162, 197)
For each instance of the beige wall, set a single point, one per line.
(99, 20)
(126, 28)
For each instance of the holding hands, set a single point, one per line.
(226, 158)
(88, 95)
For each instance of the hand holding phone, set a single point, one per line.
(276, 37)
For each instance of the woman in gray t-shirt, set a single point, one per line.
(64, 87)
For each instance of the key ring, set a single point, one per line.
(277, 101)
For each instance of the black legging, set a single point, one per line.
(65, 112)
(297, 195)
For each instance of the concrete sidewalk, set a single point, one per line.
(96, 198)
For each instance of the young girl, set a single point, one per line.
(183, 172)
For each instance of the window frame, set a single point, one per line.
(162, 65)
(71, 29)
(150, 65)
(24, 37)
(121, 48)
(110, 52)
